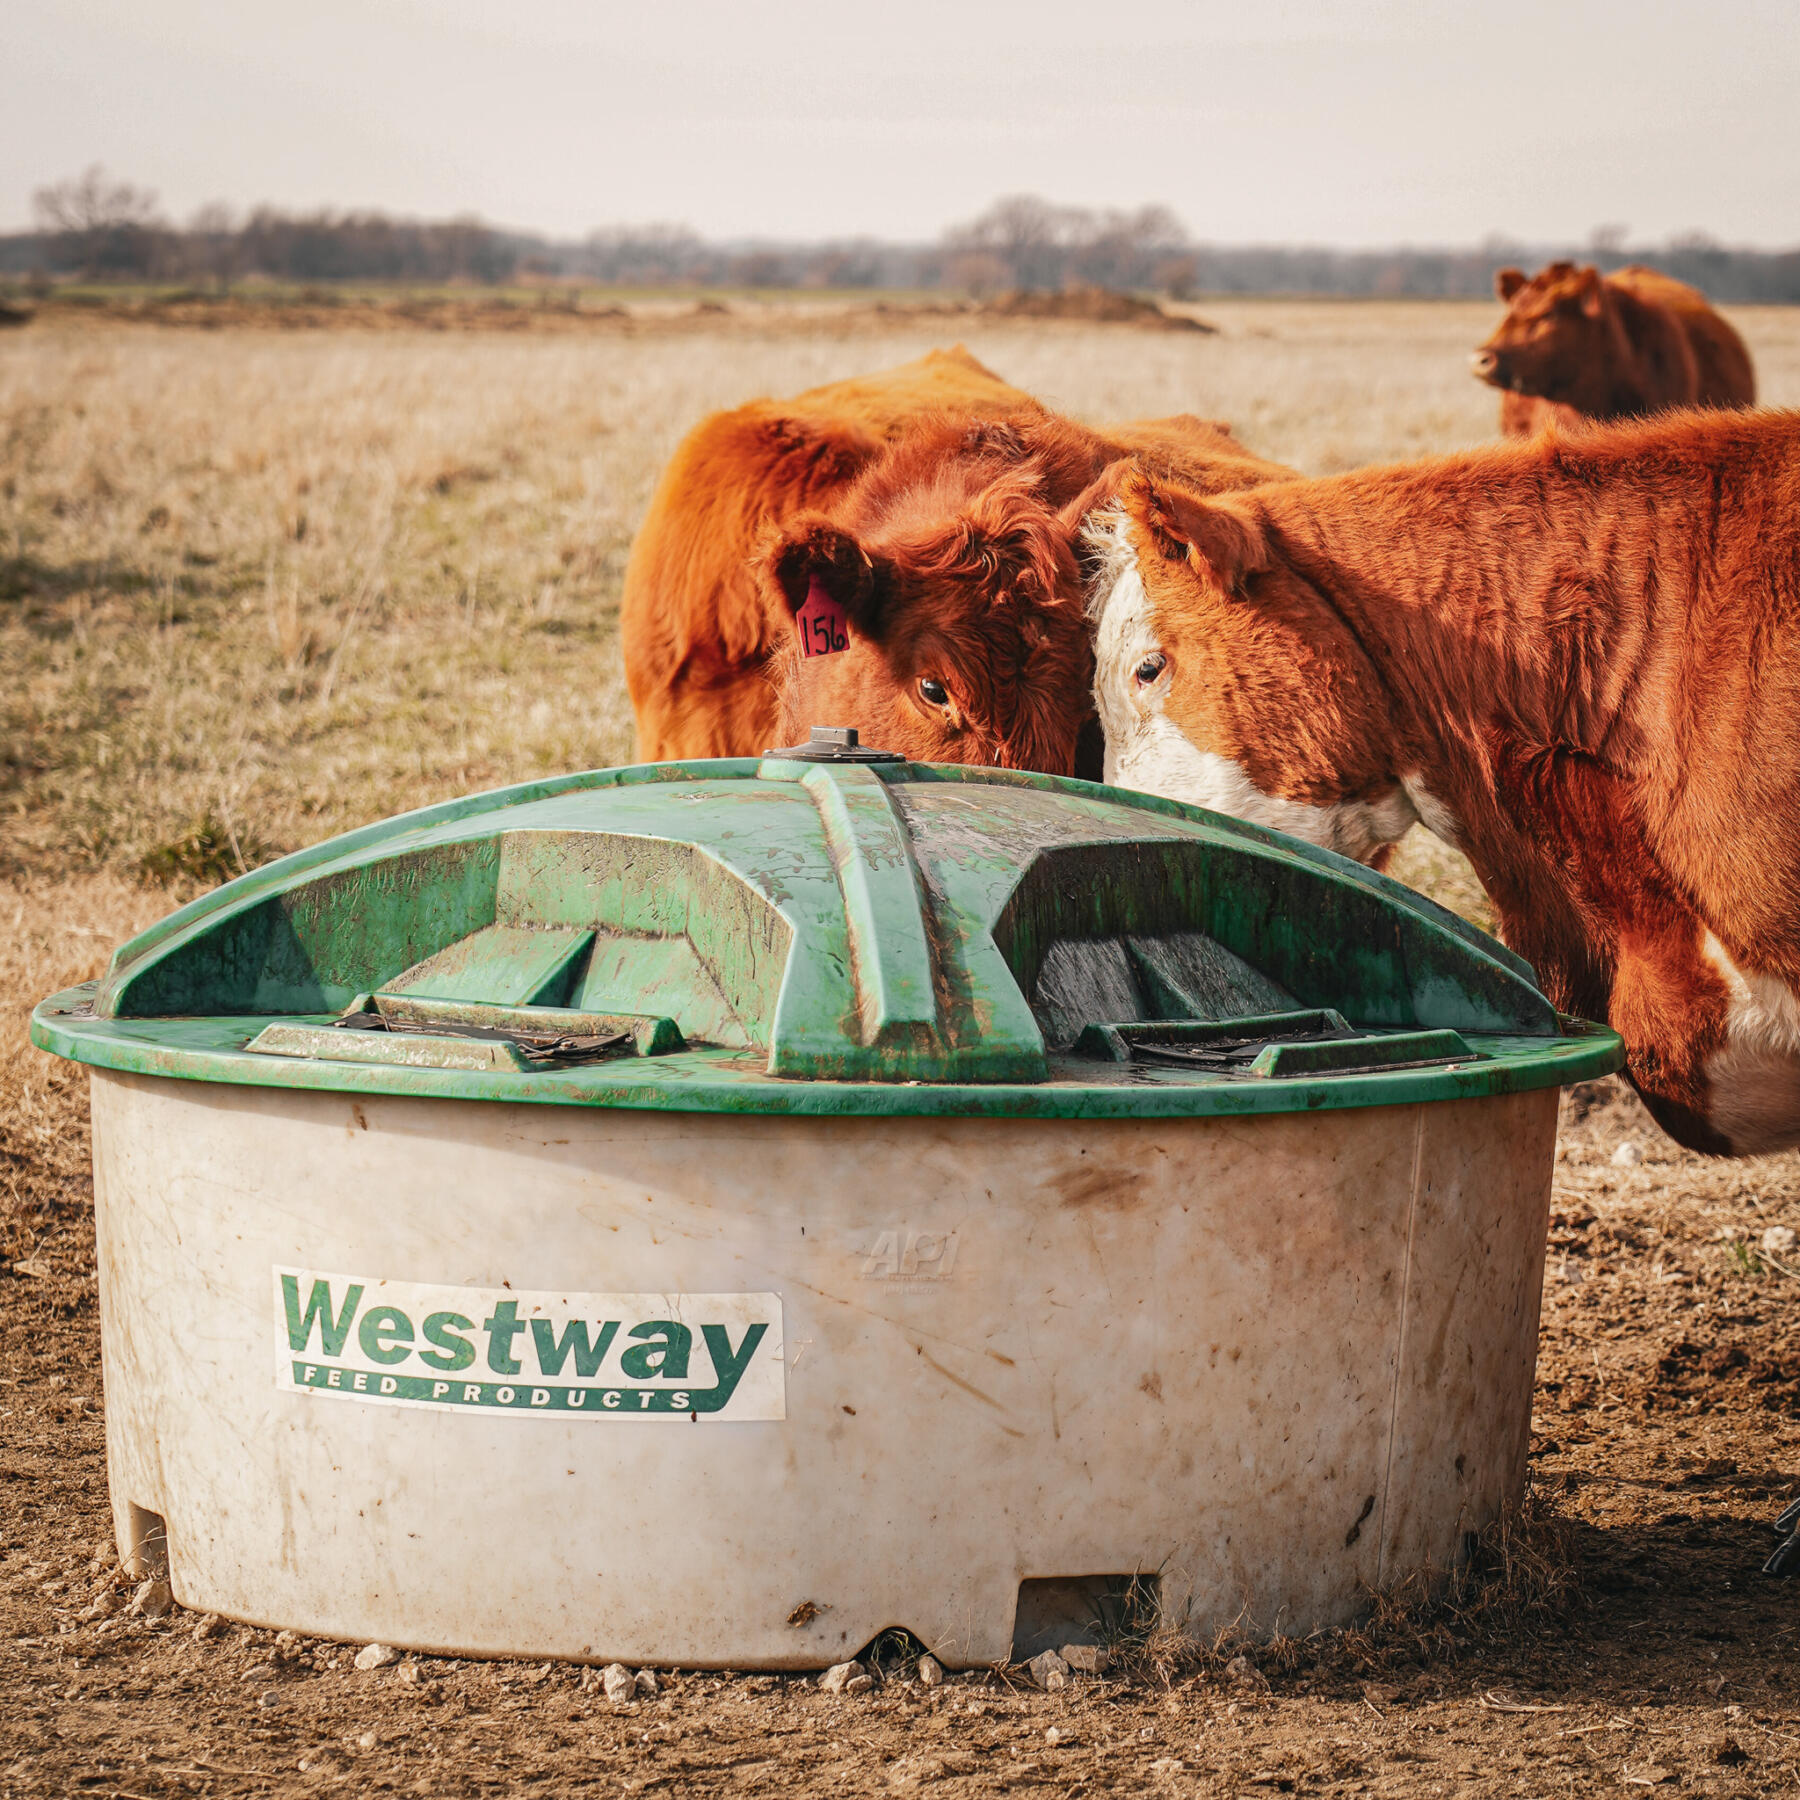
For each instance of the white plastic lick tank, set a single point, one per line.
(708, 1214)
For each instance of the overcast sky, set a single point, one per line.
(1386, 122)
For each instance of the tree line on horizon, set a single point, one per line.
(95, 229)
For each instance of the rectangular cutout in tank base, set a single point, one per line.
(663, 1358)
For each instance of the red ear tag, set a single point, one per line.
(824, 630)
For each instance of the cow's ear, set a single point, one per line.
(1100, 493)
(814, 552)
(1187, 527)
(1507, 282)
(1588, 291)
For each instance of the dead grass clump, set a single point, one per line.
(210, 851)
(893, 1655)
(1517, 1582)
(1519, 1579)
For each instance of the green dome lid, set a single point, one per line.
(842, 935)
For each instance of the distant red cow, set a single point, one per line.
(1579, 344)
(795, 571)
(1575, 659)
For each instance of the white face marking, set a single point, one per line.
(1145, 749)
(1755, 1079)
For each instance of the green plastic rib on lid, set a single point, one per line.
(836, 934)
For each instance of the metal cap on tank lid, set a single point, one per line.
(834, 743)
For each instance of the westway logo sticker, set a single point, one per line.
(664, 1357)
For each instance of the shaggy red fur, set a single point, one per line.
(1586, 651)
(954, 559)
(944, 542)
(696, 637)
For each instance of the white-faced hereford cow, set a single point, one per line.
(1576, 659)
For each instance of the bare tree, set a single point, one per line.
(1026, 234)
(1045, 246)
(101, 226)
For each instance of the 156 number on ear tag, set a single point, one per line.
(823, 628)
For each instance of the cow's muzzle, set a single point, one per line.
(1484, 365)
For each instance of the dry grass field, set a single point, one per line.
(259, 586)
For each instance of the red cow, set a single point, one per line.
(695, 636)
(1578, 344)
(937, 451)
(1577, 659)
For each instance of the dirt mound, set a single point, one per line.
(1092, 306)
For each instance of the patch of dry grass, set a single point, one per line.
(1519, 1579)
(258, 588)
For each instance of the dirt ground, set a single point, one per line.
(259, 587)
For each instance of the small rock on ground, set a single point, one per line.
(916, 1771)
(1084, 1659)
(376, 1656)
(1779, 1240)
(1628, 1154)
(846, 1678)
(619, 1682)
(931, 1671)
(152, 1599)
(646, 1683)
(1049, 1671)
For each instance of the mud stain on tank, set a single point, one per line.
(1104, 1187)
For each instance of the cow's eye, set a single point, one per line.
(933, 692)
(1150, 668)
